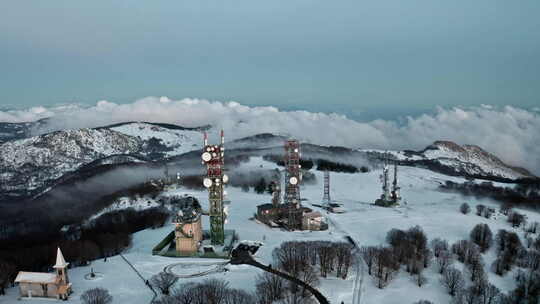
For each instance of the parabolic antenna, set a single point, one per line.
(225, 178)
(206, 156)
(293, 180)
(207, 182)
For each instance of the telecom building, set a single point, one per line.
(290, 214)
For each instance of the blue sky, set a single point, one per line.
(351, 57)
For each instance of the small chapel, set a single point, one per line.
(46, 285)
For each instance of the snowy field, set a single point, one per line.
(437, 213)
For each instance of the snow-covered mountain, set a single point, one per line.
(177, 140)
(31, 165)
(28, 164)
(459, 160)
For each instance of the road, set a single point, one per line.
(358, 286)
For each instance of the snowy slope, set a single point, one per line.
(177, 140)
(30, 163)
(437, 212)
(450, 158)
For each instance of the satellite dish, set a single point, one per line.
(207, 182)
(293, 180)
(206, 156)
(225, 178)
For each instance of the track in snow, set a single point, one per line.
(212, 268)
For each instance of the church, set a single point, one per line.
(46, 285)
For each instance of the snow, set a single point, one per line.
(181, 141)
(436, 212)
(36, 277)
(137, 203)
(33, 161)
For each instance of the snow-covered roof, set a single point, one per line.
(313, 214)
(60, 261)
(35, 277)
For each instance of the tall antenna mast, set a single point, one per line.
(395, 187)
(213, 156)
(386, 184)
(326, 196)
(292, 181)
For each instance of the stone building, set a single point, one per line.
(188, 232)
(188, 236)
(46, 285)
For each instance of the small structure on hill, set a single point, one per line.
(327, 202)
(391, 193)
(46, 285)
(188, 226)
(313, 221)
(290, 214)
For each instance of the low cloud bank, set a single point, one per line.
(509, 132)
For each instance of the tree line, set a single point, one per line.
(107, 236)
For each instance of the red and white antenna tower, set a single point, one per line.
(326, 196)
(293, 178)
(213, 156)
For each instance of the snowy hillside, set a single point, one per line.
(452, 159)
(30, 163)
(178, 141)
(437, 213)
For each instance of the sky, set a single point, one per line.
(364, 58)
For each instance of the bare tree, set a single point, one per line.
(308, 276)
(531, 260)
(490, 294)
(466, 296)
(482, 236)
(505, 208)
(327, 255)
(96, 296)
(480, 209)
(236, 296)
(384, 267)
(475, 266)
(7, 270)
(215, 290)
(270, 287)
(453, 280)
(163, 281)
(343, 259)
(516, 219)
(533, 227)
(292, 257)
(438, 245)
(368, 255)
(418, 238)
(465, 208)
(444, 260)
(461, 249)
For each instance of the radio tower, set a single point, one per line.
(292, 180)
(385, 181)
(213, 157)
(326, 196)
(395, 188)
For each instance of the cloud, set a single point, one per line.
(511, 133)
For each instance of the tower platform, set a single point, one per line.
(167, 247)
